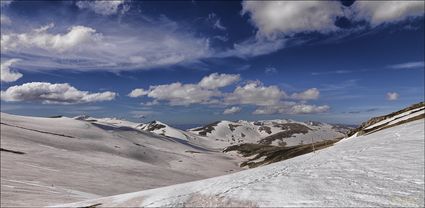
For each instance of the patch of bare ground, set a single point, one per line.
(291, 129)
(274, 154)
(266, 129)
(154, 126)
(203, 131)
(232, 127)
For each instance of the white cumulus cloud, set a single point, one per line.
(378, 12)
(215, 80)
(138, 93)
(49, 93)
(255, 93)
(76, 36)
(310, 94)
(278, 22)
(204, 92)
(7, 74)
(268, 99)
(273, 18)
(232, 110)
(182, 94)
(392, 96)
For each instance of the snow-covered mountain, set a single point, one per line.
(283, 132)
(221, 134)
(380, 167)
(46, 161)
(160, 128)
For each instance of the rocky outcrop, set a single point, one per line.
(362, 128)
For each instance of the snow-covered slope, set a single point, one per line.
(381, 169)
(274, 132)
(108, 121)
(46, 161)
(413, 112)
(160, 128)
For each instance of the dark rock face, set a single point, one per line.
(233, 127)
(203, 131)
(291, 129)
(152, 126)
(266, 129)
(258, 123)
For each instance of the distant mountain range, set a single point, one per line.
(279, 132)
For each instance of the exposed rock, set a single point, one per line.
(203, 131)
(362, 128)
(292, 128)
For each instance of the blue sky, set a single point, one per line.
(191, 63)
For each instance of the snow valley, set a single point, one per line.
(141, 103)
(50, 161)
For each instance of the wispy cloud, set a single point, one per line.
(159, 43)
(362, 111)
(344, 85)
(332, 72)
(270, 70)
(4, 3)
(409, 65)
(215, 21)
(103, 7)
(5, 20)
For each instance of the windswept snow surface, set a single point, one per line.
(65, 160)
(108, 121)
(385, 168)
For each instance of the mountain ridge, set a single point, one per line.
(380, 168)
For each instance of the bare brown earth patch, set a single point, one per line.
(206, 129)
(274, 154)
(232, 127)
